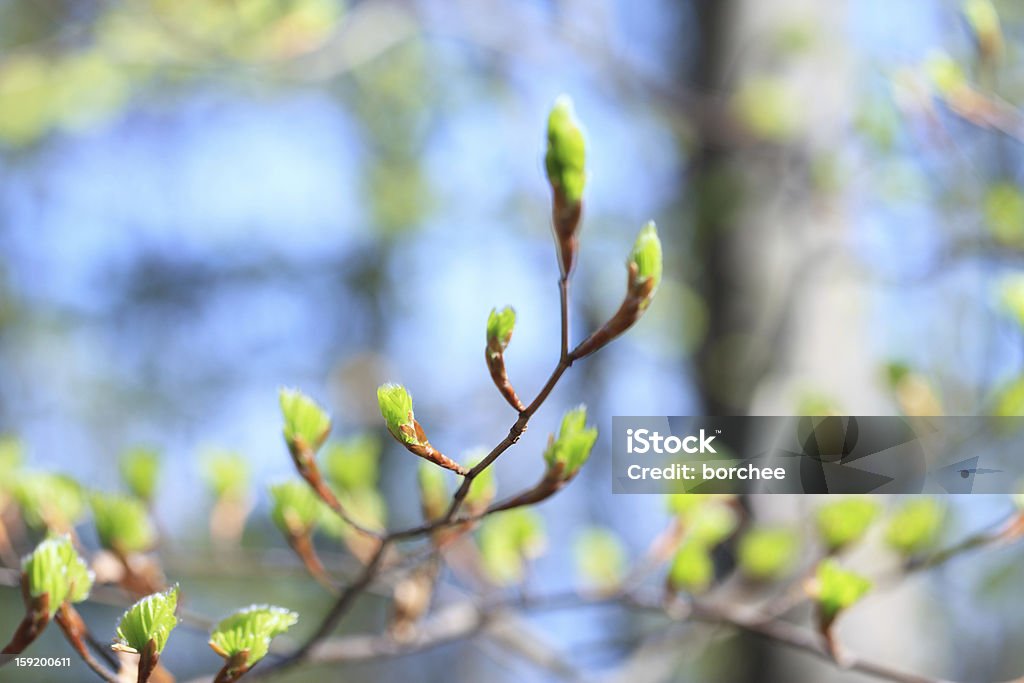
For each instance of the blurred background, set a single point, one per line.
(202, 201)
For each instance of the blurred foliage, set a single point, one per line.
(691, 569)
(601, 558)
(295, 508)
(140, 470)
(227, 473)
(768, 554)
(846, 521)
(122, 523)
(915, 526)
(49, 501)
(837, 589)
(508, 541)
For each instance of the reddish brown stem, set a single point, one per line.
(76, 633)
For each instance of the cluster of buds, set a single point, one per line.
(396, 408)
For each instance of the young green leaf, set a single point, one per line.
(600, 558)
(768, 554)
(352, 464)
(139, 469)
(712, 523)
(837, 589)
(915, 526)
(508, 540)
(646, 258)
(570, 449)
(499, 328)
(306, 424)
(565, 159)
(54, 568)
(295, 507)
(845, 521)
(122, 523)
(250, 630)
(692, 569)
(151, 618)
(396, 408)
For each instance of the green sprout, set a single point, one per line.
(433, 489)
(915, 526)
(846, 521)
(508, 541)
(499, 328)
(565, 159)
(306, 424)
(837, 589)
(692, 569)
(600, 558)
(250, 631)
(122, 523)
(767, 554)
(150, 619)
(140, 468)
(570, 449)
(396, 408)
(295, 507)
(56, 570)
(646, 257)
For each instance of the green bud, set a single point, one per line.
(508, 540)
(846, 521)
(250, 630)
(600, 558)
(55, 569)
(396, 408)
(499, 328)
(140, 468)
(837, 589)
(295, 507)
(48, 500)
(646, 258)
(711, 523)
(484, 487)
(692, 569)
(306, 424)
(571, 447)
(151, 618)
(915, 526)
(566, 154)
(122, 523)
(767, 554)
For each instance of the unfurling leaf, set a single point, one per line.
(122, 523)
(570, 448)
(500, 325)
(55, 569)
(837, 589)
(250, 631)
(396, 408)
(915, 526)
(845, 521)
(600, 558)
(150, 619)
(140, 468)
(565, 159)
(295, 507)
(646, 259)
(306, 424)
(768, 554)
(692, 569)
(508, 540)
